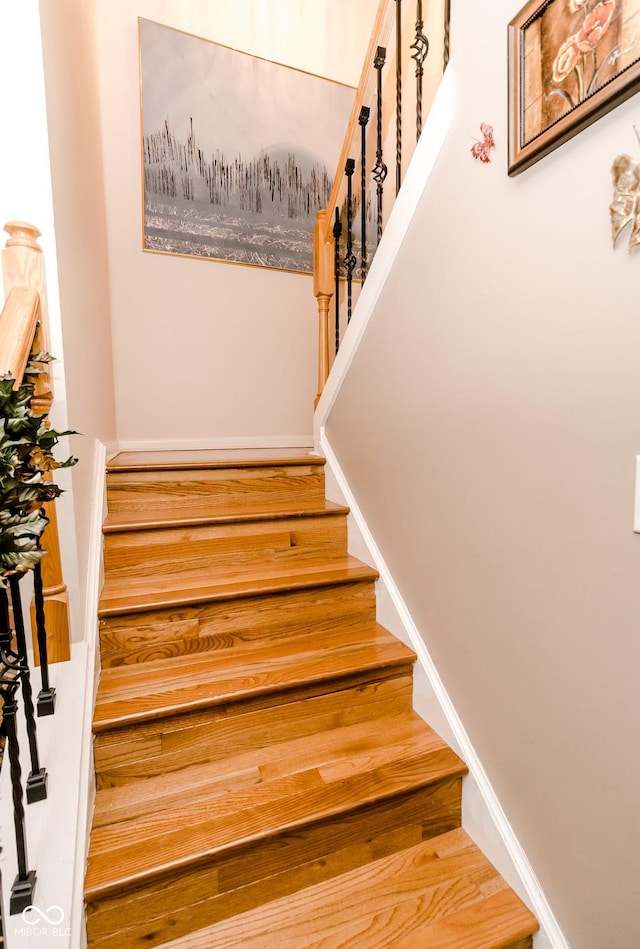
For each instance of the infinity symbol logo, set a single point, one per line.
(33, 915)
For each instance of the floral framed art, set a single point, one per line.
(570, 62)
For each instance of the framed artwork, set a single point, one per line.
(238, 153)
(570, 62)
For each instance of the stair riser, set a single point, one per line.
(213, 489)
(196, 548)
(163, 634)
(167, 907)
(138, 752)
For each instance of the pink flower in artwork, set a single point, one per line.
(595, 25)
(566, 60)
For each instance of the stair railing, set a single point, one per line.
(23, 335)
(407, 54)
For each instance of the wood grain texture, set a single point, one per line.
(152, 690)
(227, 624)
(198, 547)
(213, 489)
(171, 744)
(412, 899)
(262, 779)
(133, 595)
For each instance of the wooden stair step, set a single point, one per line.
(440, 894)
(128, 595)
(152, 690)
(184, 459)
(259, 511)
(148, 842)
(212, 481)
(224, 624)
(195, 548)
(150, 749)
(403, 733)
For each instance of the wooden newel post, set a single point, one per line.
(23, 266)
(323, 282)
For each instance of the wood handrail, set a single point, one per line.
(399, 67)
(24, 330)
(18, 325)
(381, 30)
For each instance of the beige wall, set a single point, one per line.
(207, 352)
(68, 39)
(488, 428)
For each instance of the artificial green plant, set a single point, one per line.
(26, 457)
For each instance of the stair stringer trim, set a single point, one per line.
(483, 817)
(95, 576)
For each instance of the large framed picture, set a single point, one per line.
(570, 62)
(238, 152)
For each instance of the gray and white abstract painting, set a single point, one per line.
(238, 153)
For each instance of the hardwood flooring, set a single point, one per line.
(263, 780)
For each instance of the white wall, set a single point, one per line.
(488, 428)
(206, 352)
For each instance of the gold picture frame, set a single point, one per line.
(570, 62)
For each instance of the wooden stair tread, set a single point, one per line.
(127, 595)
(359, 742)
(187, 832)
(211, 458)
(441, 894)
(263, 511)
(155, 689)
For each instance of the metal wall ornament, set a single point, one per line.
(625, 207)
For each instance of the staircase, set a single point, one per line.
(262, 779)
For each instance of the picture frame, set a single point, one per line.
(570, 62)
(238, 152)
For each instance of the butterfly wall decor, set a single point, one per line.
(625, 207)
(481, 149)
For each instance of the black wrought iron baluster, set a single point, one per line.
(398, 94)
(46, 704)
(11, 671)
(24, 884)
(447, 32)
(420, 47)
(363, 119)
(37, 780)
(379, 170)
(337, 234)
(349, 257)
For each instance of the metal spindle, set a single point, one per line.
(379, 170)
(11, 671)
(337, 234)
(447, 32)
(420, 47)
(37, 780)
(398, 95)
(24, 884)
(47, 695)
(349, 257)
(363, 119)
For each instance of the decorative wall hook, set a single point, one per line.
(481, 149)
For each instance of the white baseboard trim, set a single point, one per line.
(91, 673)
(483, 816)
(195, 444)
